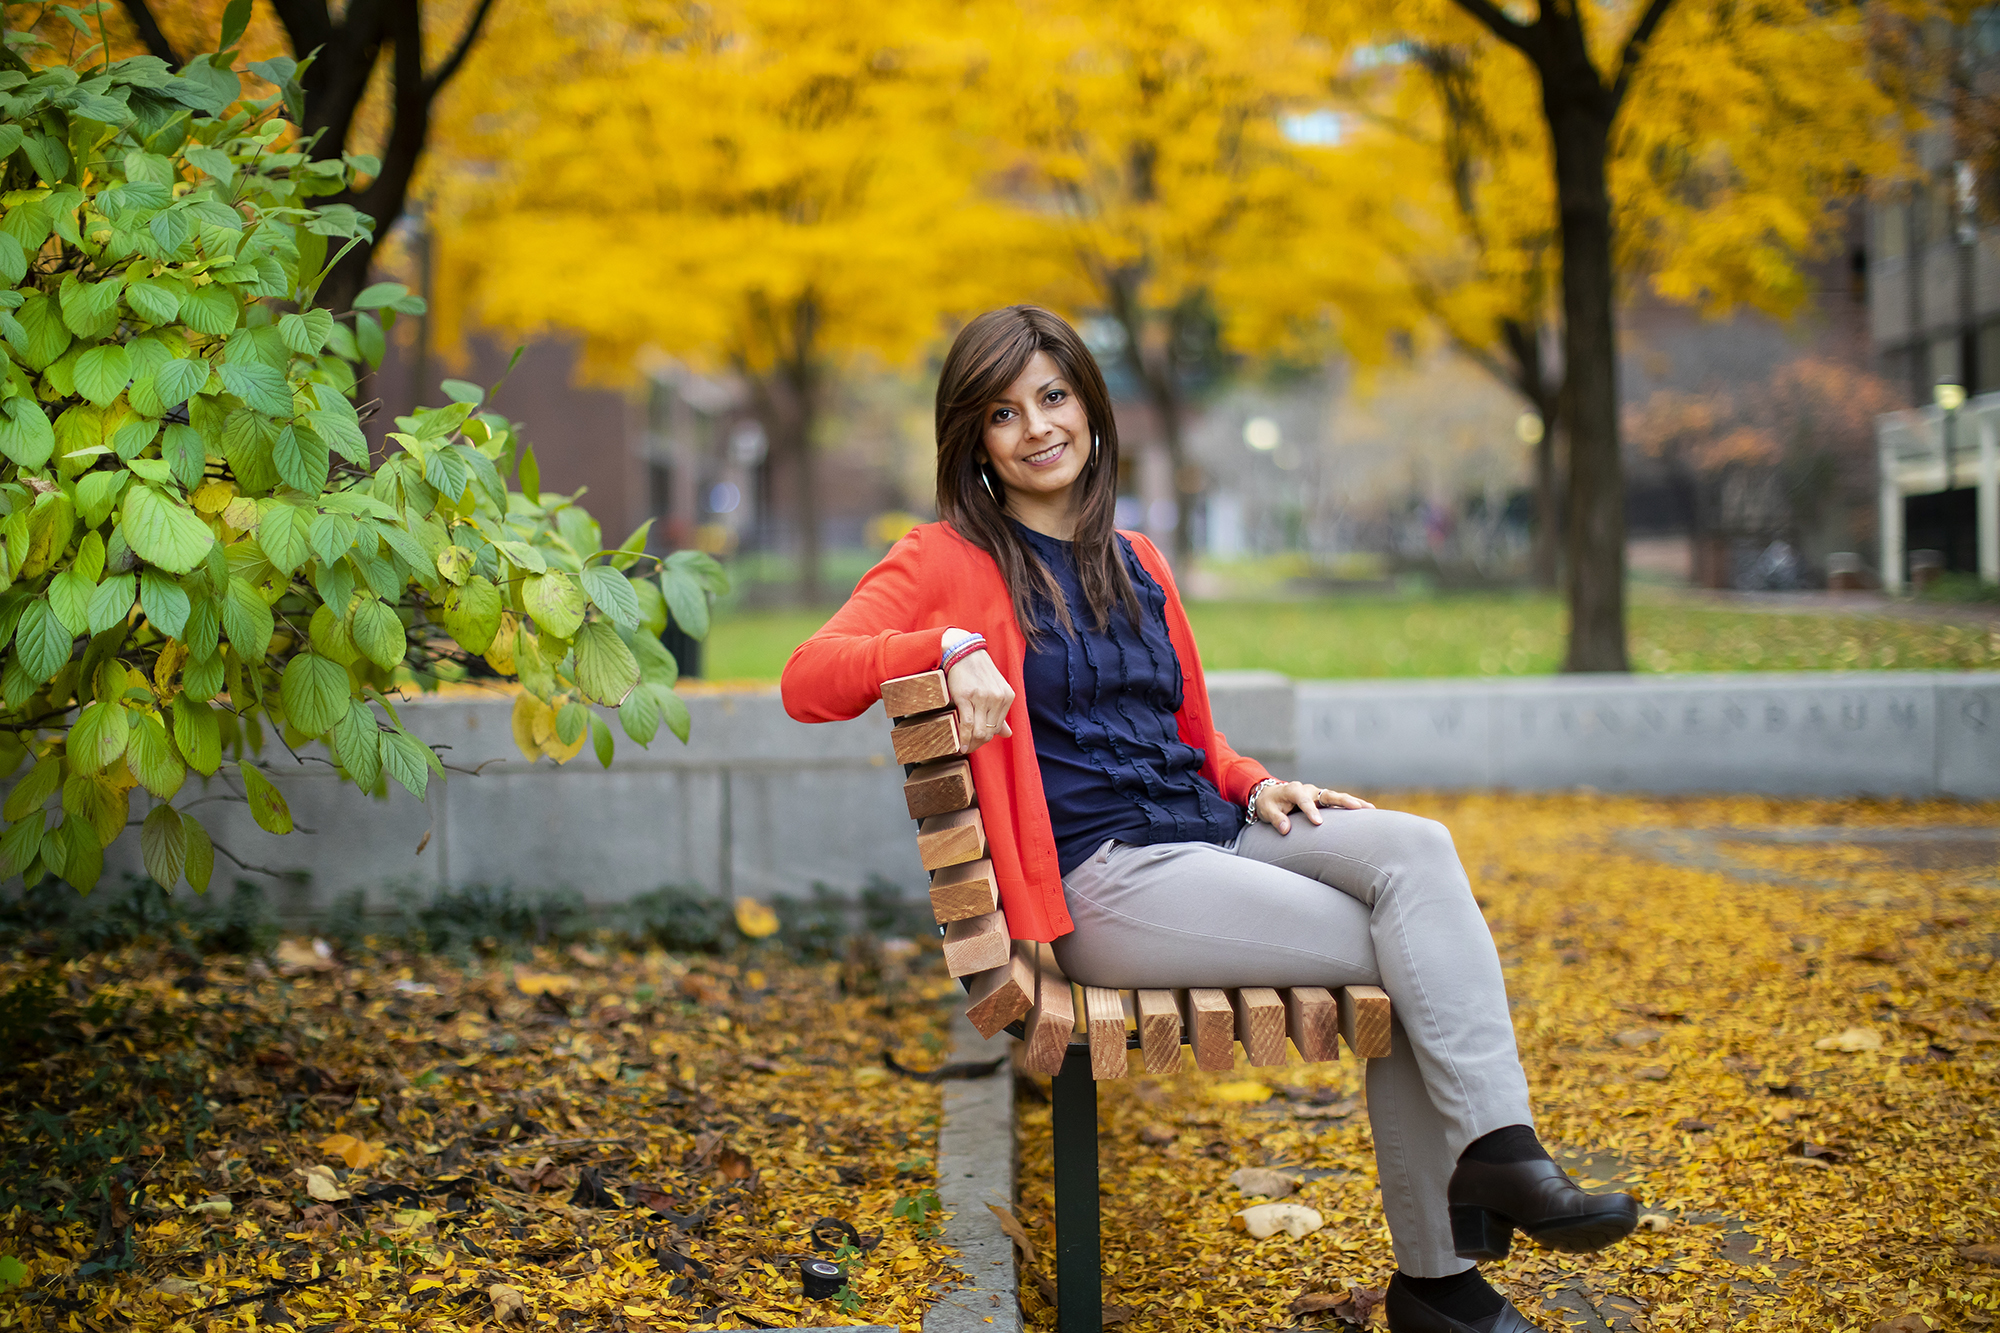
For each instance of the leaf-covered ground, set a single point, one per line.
(1780, 1034)
(577, 1141)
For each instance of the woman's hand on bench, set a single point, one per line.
(1275, 801)
(982, 697)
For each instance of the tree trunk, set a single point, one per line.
(1544, 554)
(1579, 115)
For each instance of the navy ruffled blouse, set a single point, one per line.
(1102, 707)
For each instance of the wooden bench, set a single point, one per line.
(1080, 1034)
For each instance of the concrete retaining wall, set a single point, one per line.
(758, 804)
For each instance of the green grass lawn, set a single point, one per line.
(1473, 635)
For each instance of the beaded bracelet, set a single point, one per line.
(964, 649)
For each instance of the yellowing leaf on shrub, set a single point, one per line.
(754, 919)
(357, 1153)
(528, 712)
(1243, 1090)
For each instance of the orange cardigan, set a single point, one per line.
(935, 578)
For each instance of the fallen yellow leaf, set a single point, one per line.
(754, 919)
(1243, 1090)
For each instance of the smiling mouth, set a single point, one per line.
(1047, 455)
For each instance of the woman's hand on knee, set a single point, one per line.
(982, 697)
(1275, 803)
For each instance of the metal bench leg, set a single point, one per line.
(1079, 1291)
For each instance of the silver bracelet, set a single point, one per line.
(1250, 806)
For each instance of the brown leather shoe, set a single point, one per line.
(1489, 1202)
(1408, 1314)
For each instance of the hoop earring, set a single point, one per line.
(987, 477)
(1095, 440)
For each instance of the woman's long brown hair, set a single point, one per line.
(987, 356)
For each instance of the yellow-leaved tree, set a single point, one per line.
(754, 186)
(1172, 158)
(1695, 145)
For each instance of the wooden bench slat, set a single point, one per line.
(1050, 1022)
(976, 944)
(951, 839)
(1260, 1024)
(937, 788)
(962, 891)
(922, 693)
(1364, 1020)
(1003, 994)
(1312, 1021)
(927, 736)
(1159, 1018)
(1104, 1013)
(1211, 1028)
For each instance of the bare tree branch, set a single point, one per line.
(1635, 48)
(1517, 35)
(150, 32)
(442, 75)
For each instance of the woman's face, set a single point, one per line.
(1037, 437)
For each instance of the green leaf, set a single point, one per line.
(674, 711)
(705, 568)
(155, 302)
(281, 535)
(530, 474)
(302, 459)
(164, 532)
(176, 381)
(202, 677)
(307, 331)
(522, 555)
(31, 791)
(640, 716)
(235, 18)
(605, 668)
(102, 373)
(41, 643)
(612, 592)
(204, 627)
(333, 536)
(267, 803)
(98, 736)
(454, 563)
(378, 633)
(357, 742)
(200, 854)
(25, 434)
(633, 546)
(368, 337)
(377, 295)
(83, 858)
(22, 843)
(90, 309)
(69, 597)
(652, 606)
(570, 721)
(185, 453)
(198, 733)
(315, 693)
(446, 469)
(258, 385)
(151, 757)
(45, 336)
(13, 258)
(555, 601)
(247, 620)
(600, 740)
(163, 845)
(111, 602)
(408, 761)
(164, 601)
(686, 598)
(472, 613)
(463, 391)
(211, 309)
(90, 556)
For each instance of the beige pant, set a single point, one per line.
(1370, 897)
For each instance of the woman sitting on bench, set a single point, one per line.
(1123, 828)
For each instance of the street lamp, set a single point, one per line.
(1949, 395)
